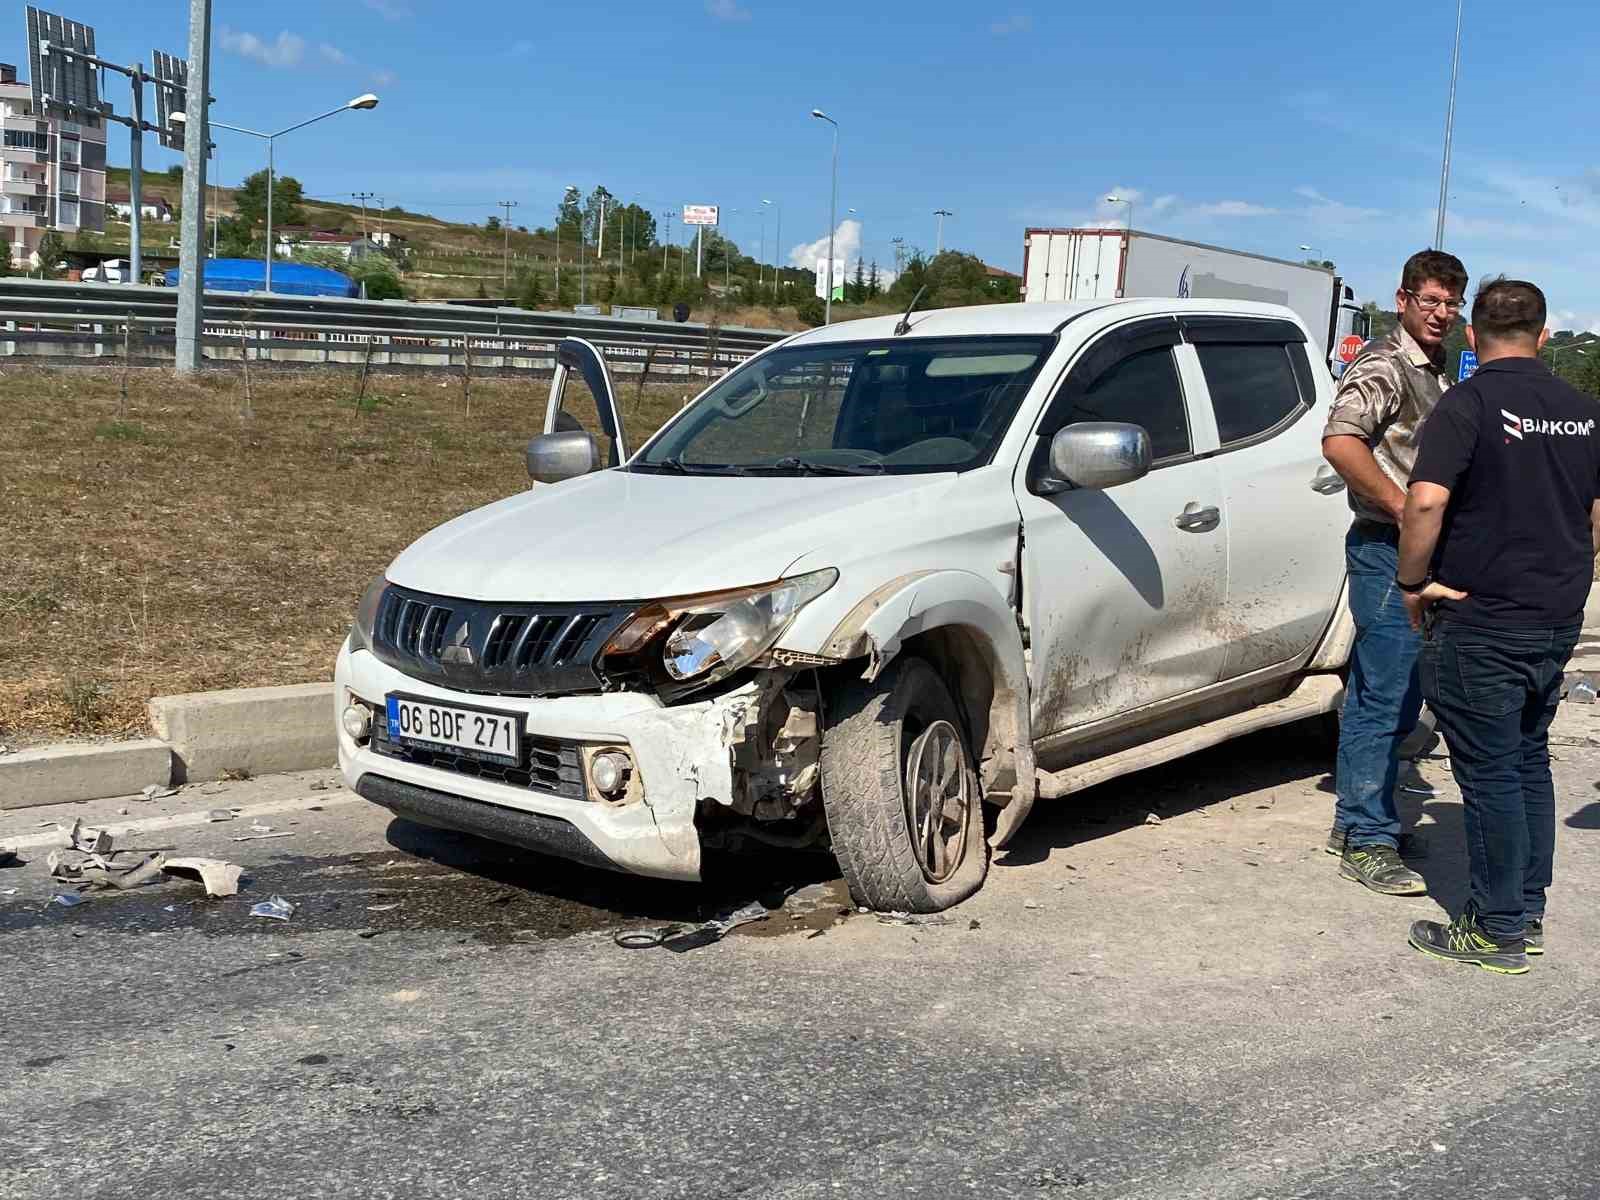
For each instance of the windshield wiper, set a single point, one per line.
(806, 467)
(676, 465)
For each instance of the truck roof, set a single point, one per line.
(992, 320)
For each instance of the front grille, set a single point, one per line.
(553, 766)
(500, 649)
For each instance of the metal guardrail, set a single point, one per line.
(44, 319)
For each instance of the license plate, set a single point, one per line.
(474, 732)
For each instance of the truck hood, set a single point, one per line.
(618, 535)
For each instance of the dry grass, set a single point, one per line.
(175, 544)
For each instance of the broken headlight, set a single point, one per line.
(367, 614)
(704, 639)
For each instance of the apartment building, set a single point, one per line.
(52, 172)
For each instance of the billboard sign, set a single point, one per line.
(1469, 365)
(699, 214)
(172, 96)
(65, 86)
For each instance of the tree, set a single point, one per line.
(858, 285)
(175, 173)
(569, 217)
(51, 248)
(530, 289)
(599, 199)
(874, 286)
(492, 225)
(250, 201)
(5, 256)
(377, 275)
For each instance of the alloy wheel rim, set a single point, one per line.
(938, 796)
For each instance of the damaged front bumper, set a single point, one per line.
(684, 757)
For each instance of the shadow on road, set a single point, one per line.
(1264, 760)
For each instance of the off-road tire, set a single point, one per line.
(869, 731)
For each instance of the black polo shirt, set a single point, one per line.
(1520, 452)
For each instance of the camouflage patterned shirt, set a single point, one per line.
(1383, 398)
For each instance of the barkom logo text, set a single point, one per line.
(1517, 426)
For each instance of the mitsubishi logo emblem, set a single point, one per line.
(458, 653)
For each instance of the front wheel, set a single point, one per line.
(904, 808)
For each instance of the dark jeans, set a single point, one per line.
(1382, 700)
(1494, 692)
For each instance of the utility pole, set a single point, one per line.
(899, 244)
(941, 213)
(363, 197)
(505, 253)
(192, 233)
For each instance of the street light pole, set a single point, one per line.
(1449, 132)
(361, 103)
(192, 233)
(560, 214)
(833, 206)
(938, 244)
(1129, 203)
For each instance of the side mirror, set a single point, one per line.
(1096, 454)
(553, 457)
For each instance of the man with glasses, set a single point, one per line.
(1371, 440)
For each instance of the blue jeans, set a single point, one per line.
(1494, 692)
(1382, 700)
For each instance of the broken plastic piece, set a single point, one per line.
(66, 899)
(218, 814)
(1151, 819)
(156, 792)
(221, 878)
(275, 907)
(905, 918)
(261, 837)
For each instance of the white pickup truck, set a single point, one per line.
(876, 591)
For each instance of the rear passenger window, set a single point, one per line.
(1253, 387)
(1142, 389)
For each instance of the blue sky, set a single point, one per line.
(1250, 124)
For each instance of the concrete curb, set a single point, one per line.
(254, 731)
(66, 774)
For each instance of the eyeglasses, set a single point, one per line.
(1429, 303)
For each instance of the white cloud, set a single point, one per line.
(727, 10)
(287, 50)
(521, 47)
(1019, 22)
(388, 9)
(334, 55)
(383, 78)
(1232, 208)
(1323, 213)
(846, 246)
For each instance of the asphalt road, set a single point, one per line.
(1195, 1008)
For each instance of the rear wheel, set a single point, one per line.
(901, 793)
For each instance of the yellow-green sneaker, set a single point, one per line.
(1533, 935)
(1464, 941)
(1379, 867)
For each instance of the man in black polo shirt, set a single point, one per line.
(1496, 558)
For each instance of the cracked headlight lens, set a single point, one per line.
(713, 636)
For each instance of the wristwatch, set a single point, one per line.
(1411, 589)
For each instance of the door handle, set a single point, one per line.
(1327, 481)
(1194, 519)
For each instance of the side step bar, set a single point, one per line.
(1315, 694)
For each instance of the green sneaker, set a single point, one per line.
(1335, 842)
(1464, 941)
(1533, 935)
(1379, 868)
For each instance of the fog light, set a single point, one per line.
(357, 721)
(609, 772)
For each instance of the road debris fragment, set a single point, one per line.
(275, 907)
(220, 878)
(905, 918)
(67, 899)
(9, 857)
(155, 791)
(1151, 819)
(678, 938)
(218, 814)
(261, 837)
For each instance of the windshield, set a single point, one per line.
(884, 407)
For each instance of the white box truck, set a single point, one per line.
(1115, 264)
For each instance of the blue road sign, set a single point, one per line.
(1469, 364)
